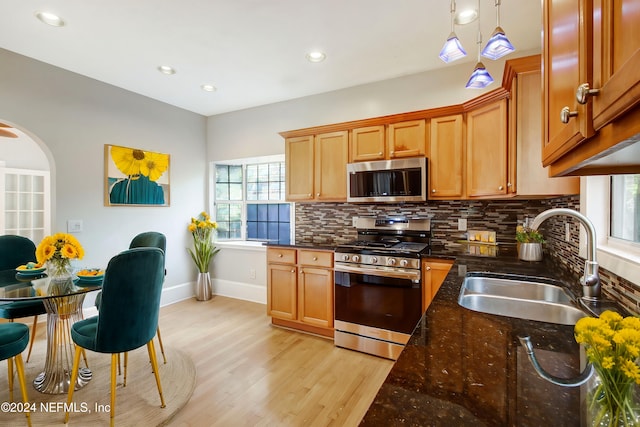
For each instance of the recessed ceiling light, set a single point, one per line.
(165, 69)
(316, 56)
(466, 16)
(50, 19)
(208, 88)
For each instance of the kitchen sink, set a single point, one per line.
(523, 297)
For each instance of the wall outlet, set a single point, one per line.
(74, 226)
(462, 224)
(567, 232)
(252, 273)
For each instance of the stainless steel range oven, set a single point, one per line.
(378, 284)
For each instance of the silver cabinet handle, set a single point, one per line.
(433, 191)
(428, 268)
(566, 114)
(500, 188)
(584, 92)
(279, 255)
(309, 194)
(315, 258)
(317, 194)
(509, 184)
(380, 153)
(294, 270)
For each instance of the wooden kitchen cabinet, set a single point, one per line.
(433, 274)
(407, 139)
(316, 167)
(300, 289)
(368, 143)
(527, 176)
(592, 73)
(486, 172)
(446, 157)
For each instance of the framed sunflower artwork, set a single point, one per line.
(135, 177)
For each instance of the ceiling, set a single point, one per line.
(252, 51)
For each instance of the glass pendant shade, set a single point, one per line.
(498, 45)
(480, 78)
(452, 49)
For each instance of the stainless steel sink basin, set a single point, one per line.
(519, 296)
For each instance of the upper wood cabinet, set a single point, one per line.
(486, 173)
(591, 65)
(316, 167)
(407, 139)
(368, 144)
(446, 157)
(566, 61)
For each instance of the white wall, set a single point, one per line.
(73, 117)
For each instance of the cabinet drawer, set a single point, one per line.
(281, 255)
(316, 258)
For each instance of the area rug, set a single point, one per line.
(137, 404)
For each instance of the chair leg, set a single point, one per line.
(84, 356)
(33, 336)
(10, 377)
(74, 377)
(164, 358)
(23, 384)
(114, 362)
(154, 364)
(126, 362)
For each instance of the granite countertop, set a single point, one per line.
(462, 367)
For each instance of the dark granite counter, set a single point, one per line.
(462, 367)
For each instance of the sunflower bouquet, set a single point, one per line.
(202, 229)
(58, 251)
(612, 345)
(528, 235)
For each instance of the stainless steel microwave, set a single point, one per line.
(399, 180)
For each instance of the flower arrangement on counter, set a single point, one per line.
(58, 251)
(612, 345)
(528, 235)
(202, 229)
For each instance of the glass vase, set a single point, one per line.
(60, 276)
(612, 400)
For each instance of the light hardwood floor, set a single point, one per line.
(253, 374)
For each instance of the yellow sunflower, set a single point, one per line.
(154, 165)
(127, 160)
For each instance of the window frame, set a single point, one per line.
(244, 202)
(621, 257)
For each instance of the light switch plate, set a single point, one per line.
(462, 224)
(74, 226)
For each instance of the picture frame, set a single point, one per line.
(135, 177)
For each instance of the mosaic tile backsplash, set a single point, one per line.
(330, 224)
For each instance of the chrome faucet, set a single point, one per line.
(591, 279)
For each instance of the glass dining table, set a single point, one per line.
(63, 303)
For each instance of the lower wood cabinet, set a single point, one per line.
(300, 289)
(433, 275)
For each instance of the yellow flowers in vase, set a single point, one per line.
(612, 345)
(203, 229)
(58, 251)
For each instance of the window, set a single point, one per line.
(249, 200)
(625, 207)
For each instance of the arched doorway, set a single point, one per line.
(25, 184)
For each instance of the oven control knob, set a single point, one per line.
(345, 257)
(404, 263)
(391, 261)
(356, 258)
(374, 260)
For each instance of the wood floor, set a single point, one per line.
(253, 374)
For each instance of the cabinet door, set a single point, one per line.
(331, 156)
(281, 291)
(315, 297)
(487, 150)
(616, 62)
(433, 275)
(299, 168)
(446, 157)
(407, 139)
(566, 50)
(368, 144)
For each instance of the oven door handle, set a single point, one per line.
(380, 271)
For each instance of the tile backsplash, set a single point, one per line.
(329, 224)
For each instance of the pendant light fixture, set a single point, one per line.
(498, 45)
(452, 48)
(480, 77)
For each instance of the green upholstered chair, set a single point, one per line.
(14, 338)
(148, 239)
(128, 315)
(16, 251)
